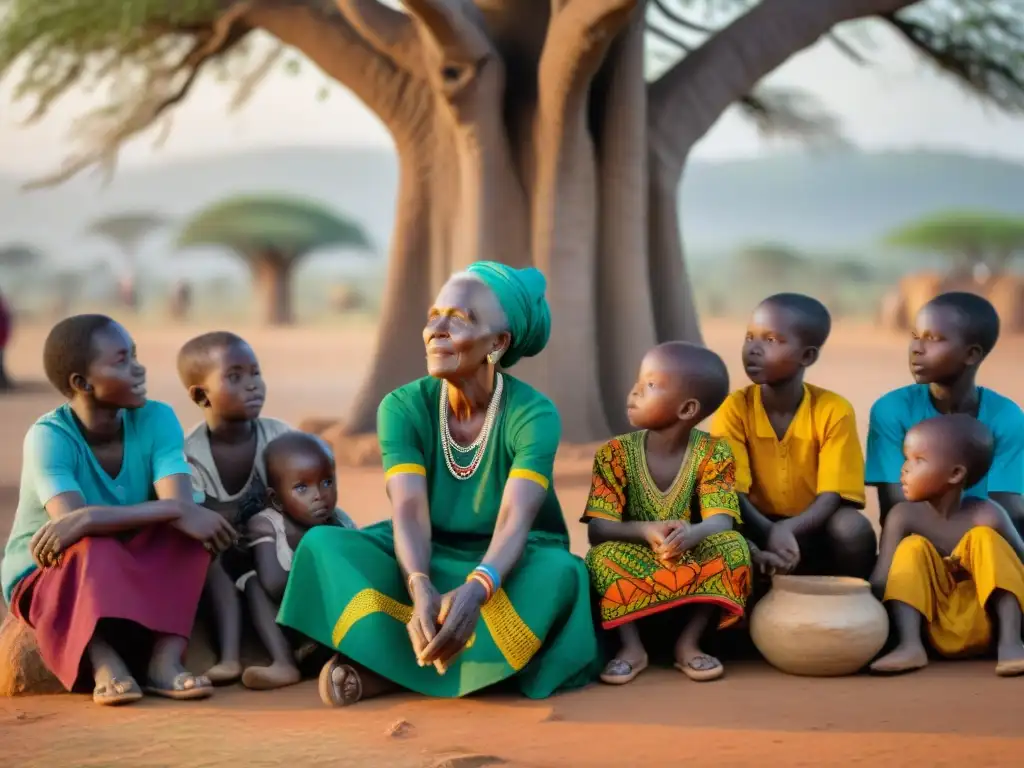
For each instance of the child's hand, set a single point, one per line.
(656, 533)
(766, 562)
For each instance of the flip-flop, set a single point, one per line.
(334, 695)
(202, 688)
(701, 675)
(620, 671)
(1013, 668)
(117, 692)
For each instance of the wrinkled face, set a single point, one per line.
(115, 377)
(927, 470)
(460, 330)
(234, 388)
(939, 353)
(773, 350)
(659, 398)
(305, 488)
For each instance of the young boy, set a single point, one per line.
(953, 334)
(948, 561)
(225, 453)
(302, 494)
(661, 513)
(799, 466)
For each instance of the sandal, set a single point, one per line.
(116, 692)
(343, 694)
(620, 671)
(1013, 668)
(701, 675)
(180, 690)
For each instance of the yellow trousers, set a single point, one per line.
(951, 593)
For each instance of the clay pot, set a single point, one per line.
(820, 626)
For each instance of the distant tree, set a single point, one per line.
(19, 256)
(272, 233)
(847, 270)
(770, 261)
(127, 230)
(967, 238)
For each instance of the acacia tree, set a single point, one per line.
(127, 231)
(271, 233)
(967, 238)
(525, 129)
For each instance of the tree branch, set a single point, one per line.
(455, 44)
(688, 99)
(392, 33)
(111, 128)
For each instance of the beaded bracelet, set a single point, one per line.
(484, 582)
(491, 572)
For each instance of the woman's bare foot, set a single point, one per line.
(225, 672)
(1010, 659)
(905, 657)
(342, 685)
(268, 678)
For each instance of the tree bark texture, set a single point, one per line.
(526, 134)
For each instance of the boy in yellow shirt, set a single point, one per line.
(799, 464)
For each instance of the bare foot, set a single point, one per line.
(903, 658)
(1010, 659)
(225, 673)
(269, 678)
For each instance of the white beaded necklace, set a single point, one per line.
(448, 443)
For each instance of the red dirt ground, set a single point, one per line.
(949, 714)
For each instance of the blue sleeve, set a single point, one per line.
(168, 443)
(884, 460)
(1007, 472)
(50, 463)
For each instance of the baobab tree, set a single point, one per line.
(272, 234)
(525, 129)
(127, 231)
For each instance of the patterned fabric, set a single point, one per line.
(630, 581)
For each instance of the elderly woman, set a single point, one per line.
(471, 582)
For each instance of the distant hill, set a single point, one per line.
(836, 201)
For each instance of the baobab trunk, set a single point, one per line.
(526, 133)
(272, 278)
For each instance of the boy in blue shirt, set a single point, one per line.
(952, 335)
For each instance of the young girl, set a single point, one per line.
(650, 554)
(302, 494)
(107, 555)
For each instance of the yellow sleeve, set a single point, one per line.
(728, 423)
(841, 460)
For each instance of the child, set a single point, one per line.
(302, 494)
(947, 560)
(107, 555)
(225, 453)
(799, 466)
(953, 334)
(649, 552)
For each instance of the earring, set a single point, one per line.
(494, 357)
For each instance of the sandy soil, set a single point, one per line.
(946, 715)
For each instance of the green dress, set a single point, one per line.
(346, 590)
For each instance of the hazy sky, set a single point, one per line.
(899, 103)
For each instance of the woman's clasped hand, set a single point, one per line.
(442, 625)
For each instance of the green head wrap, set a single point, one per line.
(521, 295)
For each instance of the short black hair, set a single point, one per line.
(813, 321)
(707, 376)
(966, 440)
(69, 349)
(978, 318)
(289, 444)
(196, 355)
